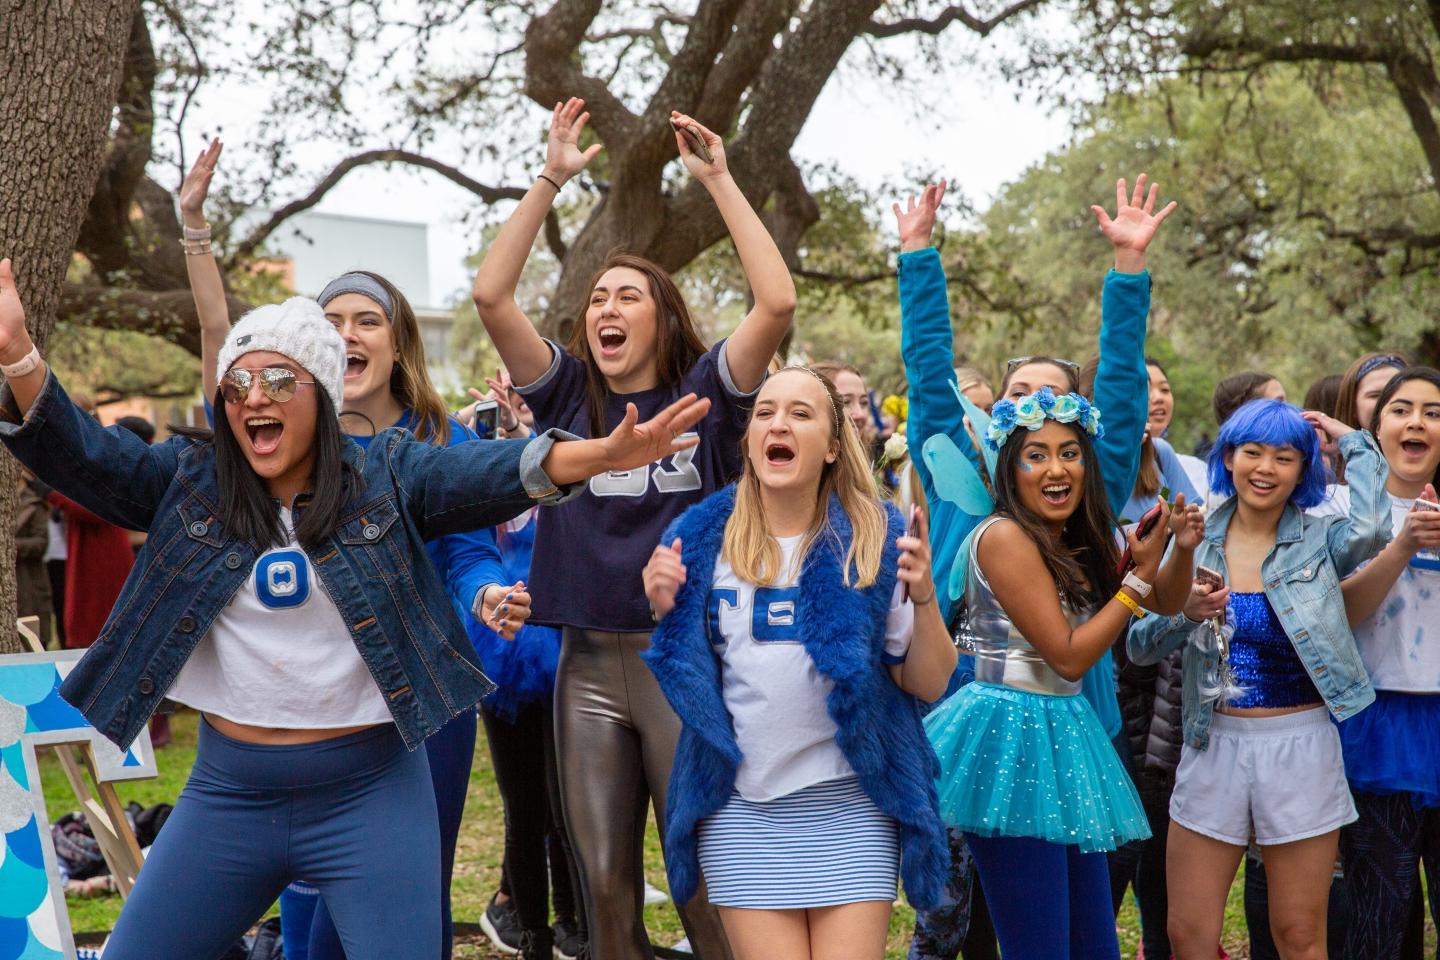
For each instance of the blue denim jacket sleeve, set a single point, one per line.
(108, 470)
(1152, 638)
(1122, 383)
(1366, 530)
(470, 485)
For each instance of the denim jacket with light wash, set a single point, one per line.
(1301, 576)
(374, 566)
(1121, 391)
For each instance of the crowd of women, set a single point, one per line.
(1056, 658)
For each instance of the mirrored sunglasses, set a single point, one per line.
(277, 383)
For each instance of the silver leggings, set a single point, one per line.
(615, 741)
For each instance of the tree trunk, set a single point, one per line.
(59, 73)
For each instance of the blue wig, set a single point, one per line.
(1274, 423)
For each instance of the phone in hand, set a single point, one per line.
(1143, 529)
(912, 529)
(1422, 504)
(1210, 578)
(487, 419)
(693, 138)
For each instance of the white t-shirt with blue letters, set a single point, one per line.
(279, 655)
(775, 695)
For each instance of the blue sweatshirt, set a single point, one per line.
(1122, 392)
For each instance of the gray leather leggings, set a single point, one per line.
(615, 741)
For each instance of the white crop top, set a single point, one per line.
(279, 654)
(773, 692)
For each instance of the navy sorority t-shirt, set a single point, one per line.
(589, 551)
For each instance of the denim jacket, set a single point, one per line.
(374, 566)
(1302, 575)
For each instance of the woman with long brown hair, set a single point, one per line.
(633, 342)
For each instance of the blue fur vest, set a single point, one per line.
(879, 728)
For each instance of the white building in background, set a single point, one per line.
(314, 248)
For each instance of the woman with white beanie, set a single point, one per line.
(284, 591)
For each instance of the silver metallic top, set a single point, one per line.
(1003, 657)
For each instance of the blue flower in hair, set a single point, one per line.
(1046, 398)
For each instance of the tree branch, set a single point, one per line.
(488, 194)
(552, 70)
(168, 314)
(980, 25)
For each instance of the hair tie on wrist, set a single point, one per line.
(551, 182)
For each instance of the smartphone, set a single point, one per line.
(912, 529)
(487, 419)
(1142, 530)
(1422, 504)
(1211, 578)
(697, 142)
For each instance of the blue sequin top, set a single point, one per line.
(1263, 658)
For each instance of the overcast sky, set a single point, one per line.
(981, 136)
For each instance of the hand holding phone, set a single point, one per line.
(694, 139)
(1143, 529)
(912, 529)
(487, 419)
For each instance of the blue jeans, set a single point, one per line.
(1048, 901)
(451, 751)
(354, 815)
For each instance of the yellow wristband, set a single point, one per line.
(1135, 609)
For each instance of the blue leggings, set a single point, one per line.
(1048, 901)
(354, 815)
(451, 751)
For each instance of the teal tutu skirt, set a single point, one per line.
(1018, 764)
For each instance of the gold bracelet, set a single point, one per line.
(1135, 609)
(195, 248)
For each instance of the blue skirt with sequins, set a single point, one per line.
(1019, 764)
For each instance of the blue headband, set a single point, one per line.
(363, 284)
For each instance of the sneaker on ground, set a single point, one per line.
(654, 895)
(568, 941)
(501, 924)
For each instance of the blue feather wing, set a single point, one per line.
(980, 423)
(958, 482)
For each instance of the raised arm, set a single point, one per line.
(200, 266)
(1367, 589)
(750, 348)
(1366, 530)
(1014, 568)
(1122, 384)
(521, 347)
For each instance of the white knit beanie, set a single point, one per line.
(297, 329)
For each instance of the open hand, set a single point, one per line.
(917, 220)
(196, 186)
(1135, 222)
(1187, 523)
(505, 609)
(697, 166)
(663, 575)
(14, 338)
(563, 156)
(633, 444)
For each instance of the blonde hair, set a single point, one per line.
(754, 554)
(967, 377)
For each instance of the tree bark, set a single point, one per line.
(60, 67)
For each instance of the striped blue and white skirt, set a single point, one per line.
(824, 845)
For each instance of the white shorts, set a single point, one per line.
(1278, 779)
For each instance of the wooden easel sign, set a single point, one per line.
(34, 922)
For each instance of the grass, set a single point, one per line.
(481, 847)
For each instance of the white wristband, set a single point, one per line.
(1135, 583)
(22, 366)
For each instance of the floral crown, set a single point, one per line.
(1031, 411)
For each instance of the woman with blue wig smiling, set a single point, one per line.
(1268, 653)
